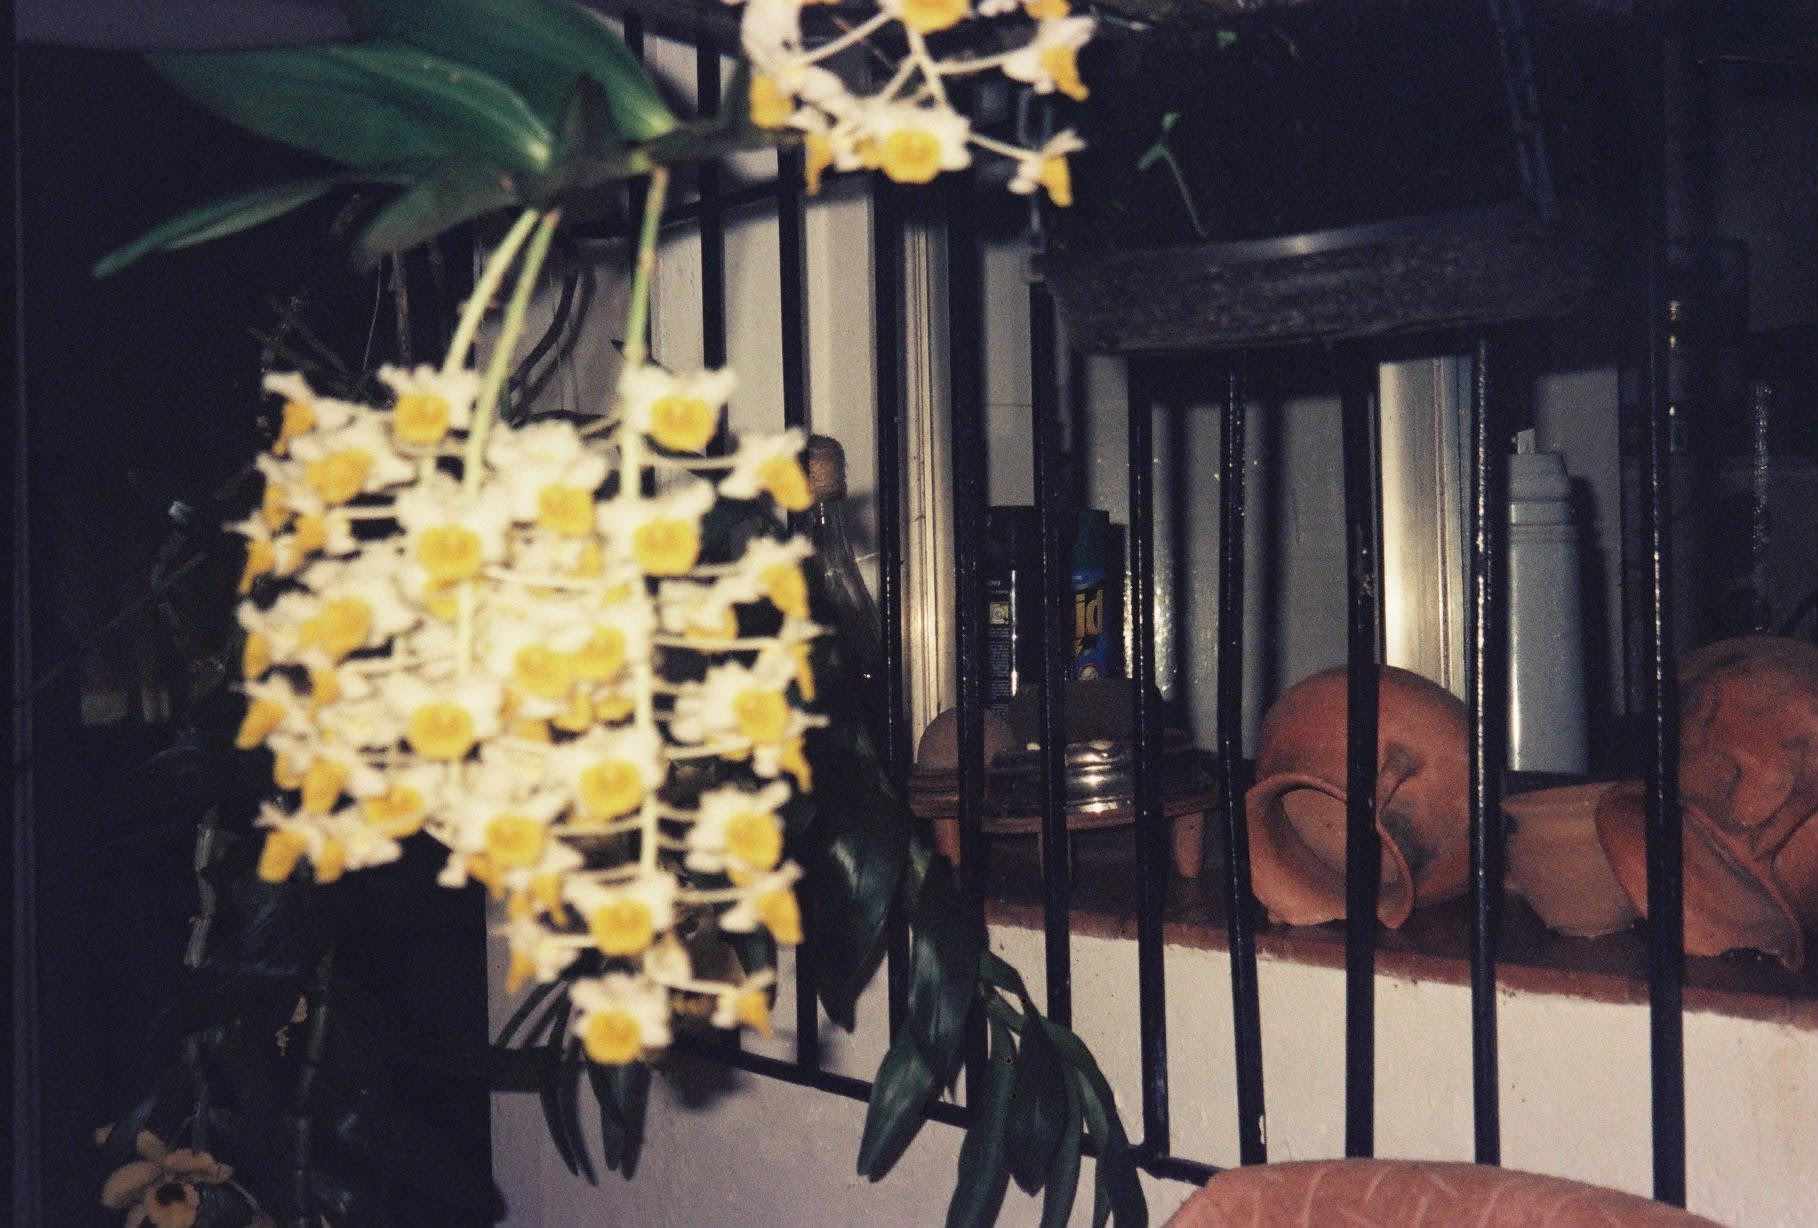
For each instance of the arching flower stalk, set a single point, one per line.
(524, 643)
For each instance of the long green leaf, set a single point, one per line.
(531, 1001)
(539, 47)
(1063, 1173)
(452, 193)
(367, 104)
(1118, 1192)
(943, 970)
(902, 1088)
(1038, 1108)
(568, 1103)
(984, 1175)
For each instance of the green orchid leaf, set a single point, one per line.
(944, 953)
(902, 1089)
(217, 219)
(1038, 1108)
(344, 1202)
(367, 104)
(452, 193)
(538, 47)
(568, 1103)
(1063, 1174)
(532, 1000)
(1118, 1194)
(624, 1096)
(998, 973)
(984, 1173)
(550, 1094)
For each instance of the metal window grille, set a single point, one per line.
(1486, 670)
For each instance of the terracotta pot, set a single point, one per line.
(1557, 863)
(1296, 810)
(1748, 784)
(1413, 1192)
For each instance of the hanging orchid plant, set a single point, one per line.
(583, 659)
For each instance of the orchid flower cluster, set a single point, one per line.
(908, 128)
(520, 641)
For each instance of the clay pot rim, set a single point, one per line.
(1395, 864)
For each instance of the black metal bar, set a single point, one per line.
(1151, 824)
(1240, 925)
(965, 315)
(712, 211)
(1363, 849)
(1487, 685)
(820, 1080)
(1666, 915)
(887, 346)
(1051, 512)
(1176, 1169)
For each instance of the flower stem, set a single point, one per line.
(637, 314)
(487, 402)
(483, 290)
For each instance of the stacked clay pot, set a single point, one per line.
(1748, 785)
(1296, 810)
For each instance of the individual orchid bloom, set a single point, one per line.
(913, 142)
(364, 845)
(408, 795)
(313, 535)
(513, 834)
(774, 566)
(789, 757)
(677, 412)
(452, 535)
(736, 704)
(537, 953)
(609, 773)
(550, 476)
(927, 16)
(273, 634)
(746, 1004)
(737, 831)
(620, 632)
(304, 411)
(768, 901)
(443, 723)
(429, 403)
(770, 32)
(291, 839)
(1046, 169)
(273, 705)
(770, 465)
(624, 918)
(661, 535)
(540, 675)
(261, 551)
(1050, 61)
(619, 1017)
(328, 771)
(704, 611)
(366, 586)
(354, 459)
(160, 1187)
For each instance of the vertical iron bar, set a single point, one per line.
(791, 214)
(1666, 915)
(887, 346)
(1056, 610)
(1487, 684)
(1151, 824)
(1246, 1011)
(1363, 849)
(965, 314)
(712, 218)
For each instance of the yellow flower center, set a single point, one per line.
(542, 671)
(1056, 180)
(567, 510)
(787, 484)
(787, 590)
(666, 547)
(576, 717)
(756, 839)
(420, 417)
(341, 627)
(781, 915)
(591, 561)
(819, 152)
(449, 552)
(911, 155)
(683, 424)
(610, 788)
(311, 534)
(274, 508)
(752, 1008)
(602, 656)
(339, 476)
(531, 730)
(261, 718)
(278, 858)
(514, 841)
(441, 730)
(332, 862)
(1047, 10)
(322, 785)
(261, 558)
(762, 716)
(1062, 63)
(771, 107)
(622, 927)
(397, 812)
(255, 656)
(324, 688)
(927, 16)
(611, 1037)
(299, 418)
(614, 707)
(284, 773)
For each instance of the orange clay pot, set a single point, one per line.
(1296, 810)
(1557, 863)
(1748, 785)
(1311, 1193)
